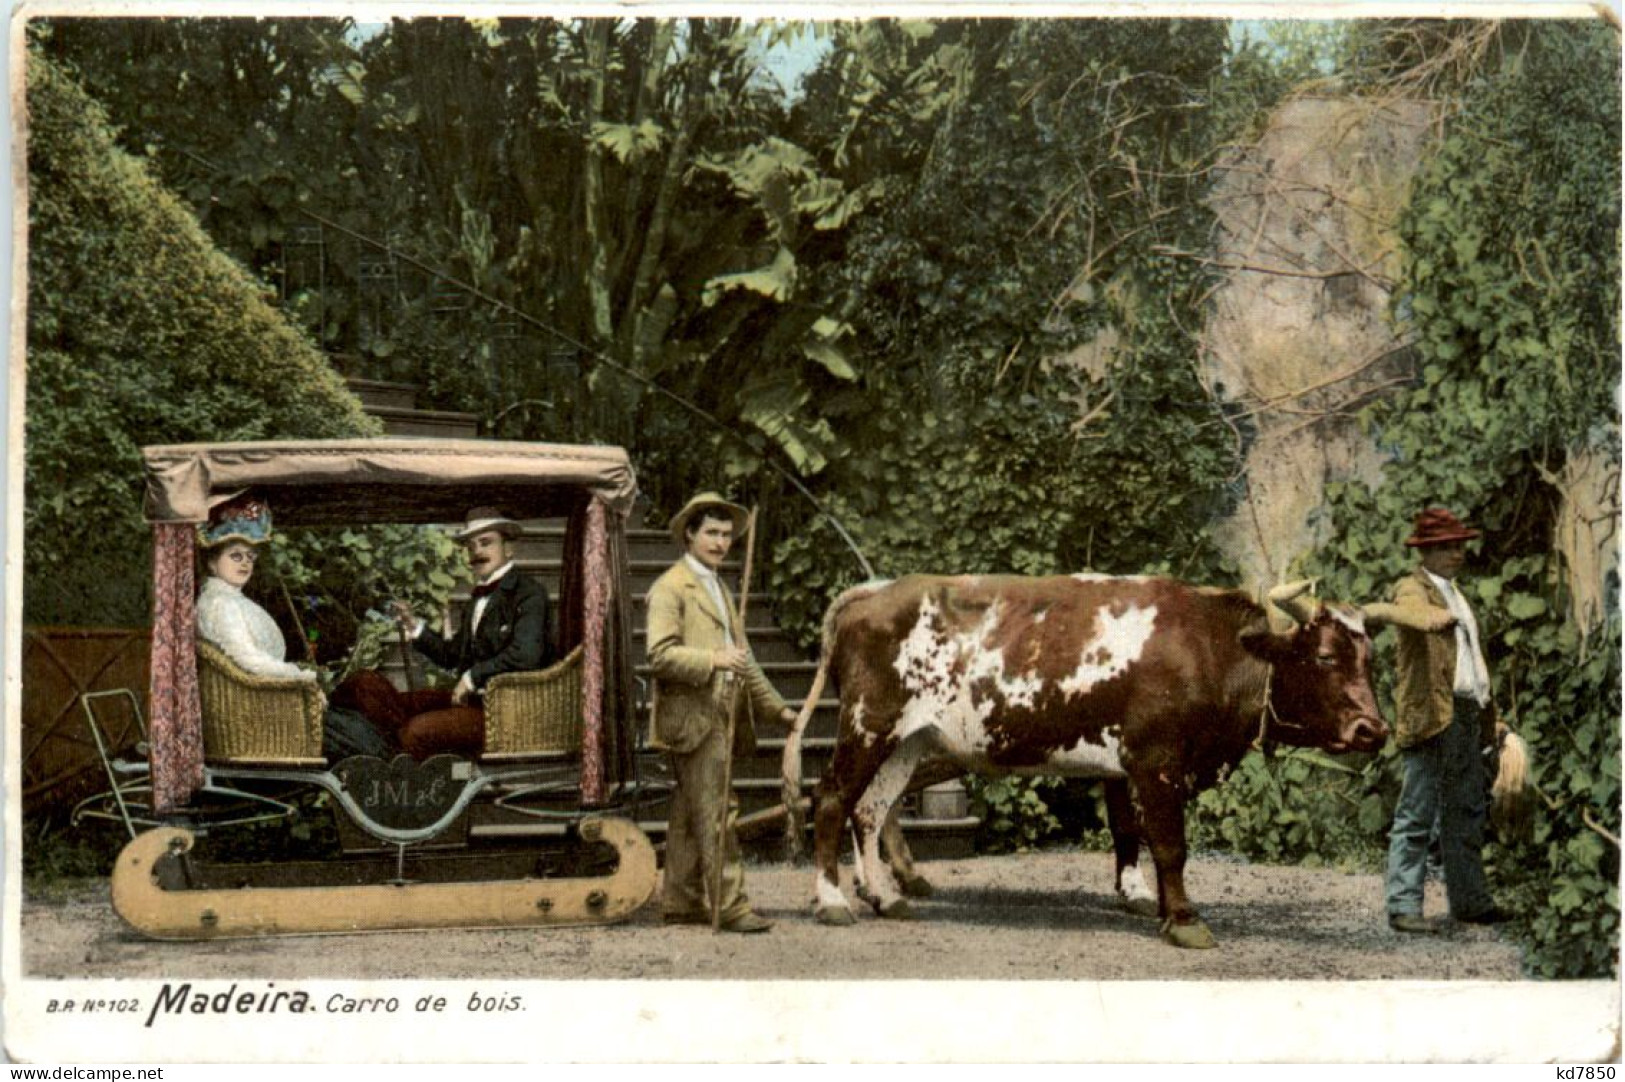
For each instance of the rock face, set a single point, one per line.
(1299, 336)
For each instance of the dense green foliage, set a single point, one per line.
(586, 190)
(139, 332)
(1299, 806)
(702, 234)
(1027, 399)
(1015, 412)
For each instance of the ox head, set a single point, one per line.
(1320, 687)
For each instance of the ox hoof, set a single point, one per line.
(897, 909)
(863, 893)
(836, 916)
(1192, 936)
(915, 886)
(1141, 907)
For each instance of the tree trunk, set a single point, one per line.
(677, 158)
(592, 188)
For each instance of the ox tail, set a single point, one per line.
(795, 823)
(1511, 796)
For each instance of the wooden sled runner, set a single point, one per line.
(150, 893)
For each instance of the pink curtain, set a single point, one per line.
(176, 729)
(595, 557)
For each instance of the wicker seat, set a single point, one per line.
(249, 719)
(534, 714)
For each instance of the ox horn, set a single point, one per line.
(1289, 598)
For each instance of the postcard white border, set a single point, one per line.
(765, 1021)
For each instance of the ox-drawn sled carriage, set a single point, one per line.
(1152, 685)
(537, 828)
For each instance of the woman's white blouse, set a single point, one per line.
(244, 631)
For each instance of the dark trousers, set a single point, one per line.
(424, 722)
(692, 824)
(1444, 784)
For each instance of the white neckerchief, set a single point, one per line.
(480, 602)
(1472, 674)
(713, 587)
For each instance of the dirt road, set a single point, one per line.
(1044, 916)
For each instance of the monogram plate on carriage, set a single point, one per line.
(404, 794)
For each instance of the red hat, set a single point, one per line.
(1436, 526)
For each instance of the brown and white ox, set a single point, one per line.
(1152, 684)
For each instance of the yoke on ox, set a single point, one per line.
(1154, 685)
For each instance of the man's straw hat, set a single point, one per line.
(707, 501)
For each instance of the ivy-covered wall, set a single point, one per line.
(1512, 286)
(1506, 413)
(140, 331)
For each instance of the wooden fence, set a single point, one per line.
(59, 761)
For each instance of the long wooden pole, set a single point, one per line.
(728, 745)
(293, 610)
(406, 659)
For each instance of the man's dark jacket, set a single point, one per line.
(512, 636)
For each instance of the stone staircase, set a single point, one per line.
(396, 405)
(936, 821)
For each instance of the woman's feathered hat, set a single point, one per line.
(244, 518)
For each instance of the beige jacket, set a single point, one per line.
(690, 695)
(1424, 698)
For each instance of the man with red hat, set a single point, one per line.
(1444, 719)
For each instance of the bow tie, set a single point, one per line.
(485, 589)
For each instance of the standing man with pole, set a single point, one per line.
(706, 686)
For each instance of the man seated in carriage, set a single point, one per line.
(505, 630)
